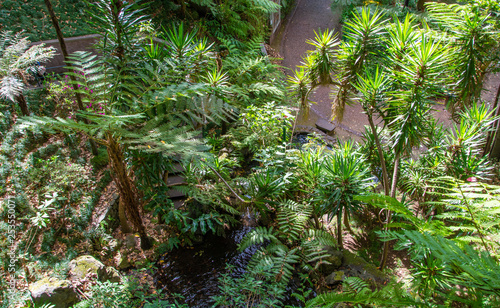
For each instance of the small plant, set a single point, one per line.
(42, 217)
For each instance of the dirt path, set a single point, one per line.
(309, 16)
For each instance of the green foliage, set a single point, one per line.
(256, 288)
(358, 292)
(293, 242)
(16, 58)
(475, 35)
(107, 294)
(32, 17)
(58, 174)
(473, 270)
(344, 177)
(262, 127)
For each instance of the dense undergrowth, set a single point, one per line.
(219, 108)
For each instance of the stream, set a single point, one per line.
(192, 273)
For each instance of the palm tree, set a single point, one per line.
(475, 35)
(418, 76)
(345, 176)
(373, 88)
(15, 60)
(362, 35)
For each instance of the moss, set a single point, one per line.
(85, 264)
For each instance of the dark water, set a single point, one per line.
(193, 273)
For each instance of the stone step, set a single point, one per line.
(178, 203)
(309, 129)
(176, 169)
(175, 180)
(175, 193)
(325, 125)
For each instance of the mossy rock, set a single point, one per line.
(332, 262)
(358, 267)
(80, 267)
(59, 293)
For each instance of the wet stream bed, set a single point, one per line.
(193, 272)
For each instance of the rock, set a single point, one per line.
(122, 261)
(333, 261)
(141, 263)
(335, 278)
(130, 241)
(325, 125)
(83, 265)
(358, 267)
(80, 267)
(59, 293)
(111, 274)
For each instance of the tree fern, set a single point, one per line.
(293, 242)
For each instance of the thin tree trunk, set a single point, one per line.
(339, 230)
(183, 8)
(389, 214)
(64, 50)
(421, 5)
(127, 190)
(21, 100)
(385, 176)
(316, 221)
(346, 223)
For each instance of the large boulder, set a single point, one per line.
(332, 261)
(358, 267)
(111, 275)
(59, 293)
(121, 261)
(82, 266)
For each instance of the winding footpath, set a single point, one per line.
(307, 17)
(312, 15)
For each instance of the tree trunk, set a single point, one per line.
(346, 223)
(127, 190)
(21, 100)
(316, 221)
(123, 218)
(421, 5)
(339, 230)
(385, 176)
(389, 214)
(183, 8)
(64, 50)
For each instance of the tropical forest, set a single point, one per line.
(249, 153)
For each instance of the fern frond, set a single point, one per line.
(257, 236)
